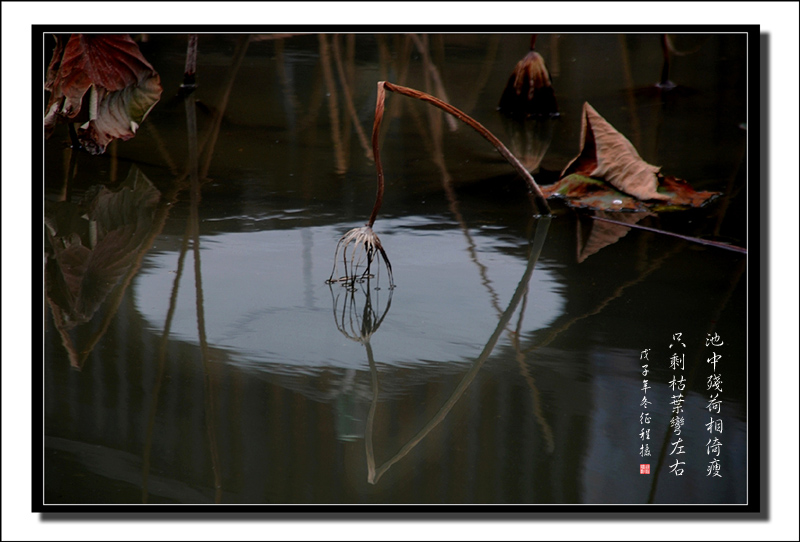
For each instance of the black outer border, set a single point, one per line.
(758, 306)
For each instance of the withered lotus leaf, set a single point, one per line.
(102, 82)
(682, 194)
(584, 192)
(609, 175)
(607, 154)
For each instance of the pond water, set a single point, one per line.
(208, 360)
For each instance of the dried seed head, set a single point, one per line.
(528, 92)
(365, 248)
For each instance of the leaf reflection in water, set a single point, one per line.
(92, 251)
(599, 235)
(375, 473)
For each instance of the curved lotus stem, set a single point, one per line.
(541, 201)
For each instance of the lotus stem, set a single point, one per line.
(376, 126)
(541, 201)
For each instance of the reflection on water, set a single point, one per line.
(253, 282)
(195, 354)
(92, 250)
(520, 292)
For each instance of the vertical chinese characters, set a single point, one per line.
(644, 416)
(677, 385)
(714, 406)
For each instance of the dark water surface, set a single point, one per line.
(207, 360)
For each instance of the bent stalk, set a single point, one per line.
(541, 201)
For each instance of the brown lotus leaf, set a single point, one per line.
(682, 194)
(582, 192)
(102, 82)
(607, 154)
